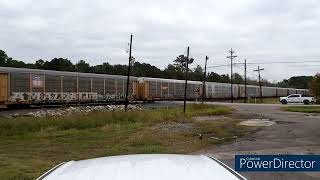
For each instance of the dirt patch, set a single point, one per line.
(242, 115)
(209, 118)
(257, 122)
(173, 127)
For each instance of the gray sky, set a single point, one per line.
(99, 30)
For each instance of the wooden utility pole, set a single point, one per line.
(186, 82)
(259, 70)
(231, 57)
(245, 81)
(128, 76)
(204, 80)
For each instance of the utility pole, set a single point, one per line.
(186, 83)
(245, 80)
(128, 77)
(204, 80)
(231, 57)
(258, 70)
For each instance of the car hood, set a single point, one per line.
(143, 167)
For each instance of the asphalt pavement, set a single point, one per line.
(293, 133)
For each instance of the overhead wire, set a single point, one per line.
(248, 72)
(274, 62)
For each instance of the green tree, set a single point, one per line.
(39, 64)
(284, 83)
(3, 58)
(120, 69)
(237, 78)
(225, 78)
(146, 70)
(300, 82)
(14, 63)
(173, 72)
(60, 64)
(314, 86)
(104, 68)
(197, 74)
(82, 66)
(9, 62)
(181, 62)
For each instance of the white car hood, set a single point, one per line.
(143, 167)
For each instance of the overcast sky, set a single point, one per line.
(99, 30)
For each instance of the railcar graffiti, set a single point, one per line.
(68, 97)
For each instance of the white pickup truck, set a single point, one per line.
(297, 98)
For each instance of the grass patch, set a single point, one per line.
(257, 100)
(31, 146)
(304, 109)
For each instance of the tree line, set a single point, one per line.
(176, 70)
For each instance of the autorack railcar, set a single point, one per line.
(167, 89)
(33, 86)
(291, 91)
(252, 91)
(216, 90)
(223, 91)
(302, 91)
(282, 91)
(268, 91)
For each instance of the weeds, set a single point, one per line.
(304, 109)
(31, 146)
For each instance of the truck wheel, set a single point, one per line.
(306, 102)
(284, 102)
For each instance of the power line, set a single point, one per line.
(283, 62)
(242, 69)
(278, 62)
(253, 74)
(218, 65)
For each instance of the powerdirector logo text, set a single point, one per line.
(277, 163)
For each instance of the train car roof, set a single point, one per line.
(60, 73)
(169, 80)
(93, 75)
(199, 82)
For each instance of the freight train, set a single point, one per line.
(33, 86)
